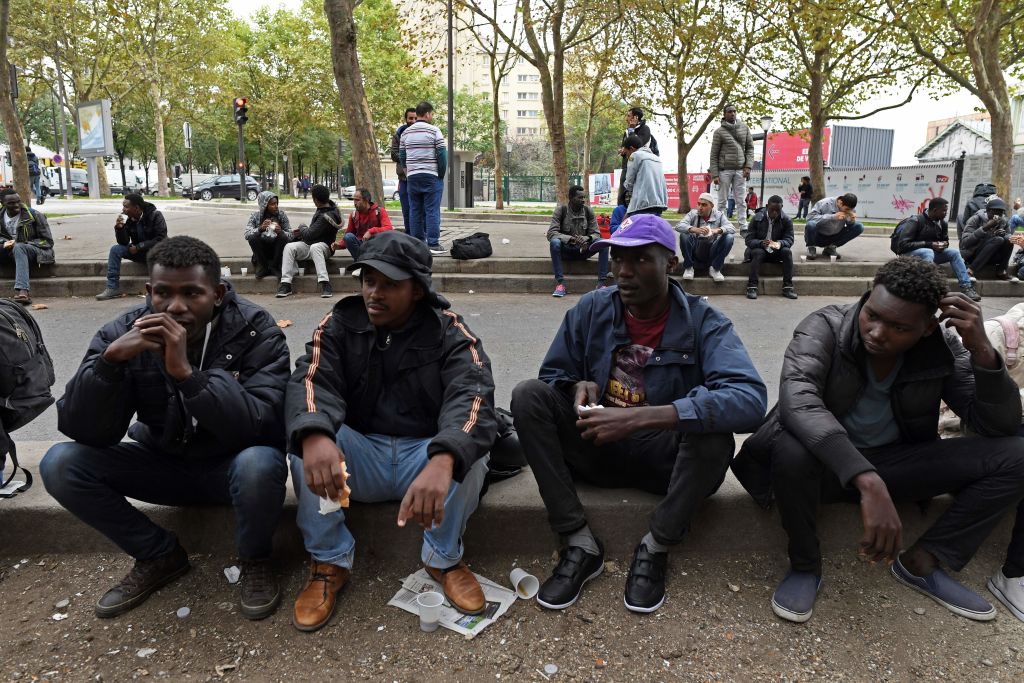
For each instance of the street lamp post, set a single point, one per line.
(766, 126)
(507, 176)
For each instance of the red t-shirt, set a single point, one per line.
(626, 383)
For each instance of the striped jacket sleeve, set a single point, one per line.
(467, 426)
(315, 397)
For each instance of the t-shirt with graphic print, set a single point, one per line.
(626, 384)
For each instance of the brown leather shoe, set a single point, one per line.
(315, 604)
(460, 587)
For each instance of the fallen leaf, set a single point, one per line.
(600, 664)
(67, 237)
(224, 668)
(284, 323)
(39, 307)
(729, 635)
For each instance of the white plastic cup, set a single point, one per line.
(833, 258)
(526, 585)
(245, 271)
(225, 272)
(429, 605)
(803, 257)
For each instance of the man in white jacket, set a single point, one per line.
(645, 179)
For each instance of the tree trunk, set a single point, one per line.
(817, 127)
(556, 128)
(101, 171)
(158, 135)
(220, 164)
(9, 115)
(347, 74)
(683, 150)
(993, 92)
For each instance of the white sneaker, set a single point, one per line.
(715, 275)
(688, 274)
(1010, 592)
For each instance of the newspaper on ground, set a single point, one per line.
(498, 598)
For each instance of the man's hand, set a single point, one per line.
(746, 173)
(132, 249)
(962, 314)
(714, 180)
(265, 224)
(119, 223)
(174, 340)
(940, 246)
(424, 499)
(607, 425)
(585, 393)
(776, 245)
(129, 345)
(1017, 239)
(321, 463)
(883, 531)
(9, 244)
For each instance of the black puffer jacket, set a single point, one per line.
(982, 191)
(324, 225)
(823, 377)
(145, 232)
(430, 380)
(921, 232)
(781, 230)
(236, 397)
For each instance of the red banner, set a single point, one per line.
(791, 151)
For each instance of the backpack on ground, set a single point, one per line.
(894, 238)
(477, 245)
(26, 375)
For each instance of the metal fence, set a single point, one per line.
(520, 188)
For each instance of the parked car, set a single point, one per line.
(390, 190)
(222, 186)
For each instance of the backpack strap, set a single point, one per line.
(9, 447)
(1011, 335)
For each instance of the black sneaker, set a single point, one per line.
(645, 585)
(145, 578)
(575, 568)
(831, 250)
(789, 292)
(262, 273)
(284, 290)
(751, 292)
(325, 290)
(812, 253)
(260, 591)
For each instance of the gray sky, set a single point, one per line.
(908, 121)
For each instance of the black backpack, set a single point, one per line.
(894, 238)
(477, 245)
(26, 375)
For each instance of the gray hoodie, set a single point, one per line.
(646, 180)
(255, 218)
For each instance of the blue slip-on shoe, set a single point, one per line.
(947, 591)
(794, 598)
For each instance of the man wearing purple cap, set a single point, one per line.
(643, 386)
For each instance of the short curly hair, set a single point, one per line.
(183, 251)
(913, 279)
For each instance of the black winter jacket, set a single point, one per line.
(145, 232)
(823, 376)
(323, 227)
(433, 380)
(236, 397)
(757, 230)
(921, 232)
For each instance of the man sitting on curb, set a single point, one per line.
(367, 220)
(312, 242)
(857, 421)
(705, 238)
(397, 390)
(573, 229)
(268, 232)
(926, 236)
(986, 239)
(831, 224)
(26, 239)
(643, 386)
(138, 229)
(770, 238)
(205, 371)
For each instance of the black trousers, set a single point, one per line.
(986, 477)
(994, 250)
(684, 468)
(267, 254)
(758, 256)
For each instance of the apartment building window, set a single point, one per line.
(528, 113)
(528, 78)
(528, 95)
(525, 130)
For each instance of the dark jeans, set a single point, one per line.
(685, 468)
(985, 475)
(847, 233)
(93, 483)
(801, 209)
(119, 252)
(563, 250)
(267, 254)
(425, 208)
(994, 251)
(403, 199)
(759, 256)
(705, 251)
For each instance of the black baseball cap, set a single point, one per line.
(397, 256)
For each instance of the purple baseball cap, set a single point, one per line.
(639, 230)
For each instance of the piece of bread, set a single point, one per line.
(343, 499)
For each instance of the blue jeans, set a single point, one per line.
(403, 199)
(562, 250)
(23, 255)
(92, 483)
(801, 209)
(37, 186)
(381, 468)
(720, 248)
(950, 256)
(849, 231)
(118, 252)
(353, 244)
(425, 208)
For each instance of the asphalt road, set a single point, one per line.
(516, 331)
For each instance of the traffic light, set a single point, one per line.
(241, 110)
